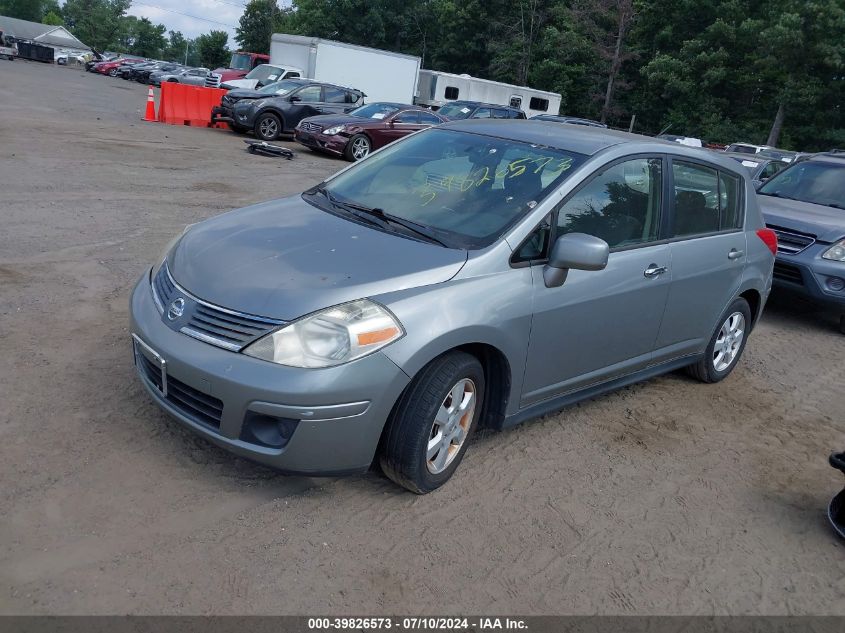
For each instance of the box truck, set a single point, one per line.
(436, 89)
(381, 75)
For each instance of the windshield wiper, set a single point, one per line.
(381, 218)
(835, 205)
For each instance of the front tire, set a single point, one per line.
(429, 430)
(358, 148)
(726, 345)
(268, 127)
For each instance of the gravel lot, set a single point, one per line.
(669, 497)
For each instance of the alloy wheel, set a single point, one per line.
(360, 148)
(729, 341)
(451, 426)
(269, 128)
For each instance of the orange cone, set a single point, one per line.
(150, 114)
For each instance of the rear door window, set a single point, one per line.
(730, 198)
(310, 94)
(335, 95)
(696, 191)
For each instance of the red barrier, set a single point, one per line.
(187, 105)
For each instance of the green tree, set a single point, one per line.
(256, 26)
(212, 49)
(98, 23)
(177, 47)
(52, 18)
(146, 39)
(22, 9)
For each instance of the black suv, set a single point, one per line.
(477, 110)
(278, 108)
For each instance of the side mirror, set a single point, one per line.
(295, 99)
(574, 250)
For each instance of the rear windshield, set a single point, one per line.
(816, 182)
(240, 61)
(468, 188)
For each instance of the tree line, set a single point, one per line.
(723, 70)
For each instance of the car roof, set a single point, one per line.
(584, 139)
(313, 82)
(837, 157)
(749, 157)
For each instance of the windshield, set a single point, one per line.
(466, 188)
(240, 61)
(265, 71)
(280, 87)
(375, 111)
(810, 181)
(455, 111)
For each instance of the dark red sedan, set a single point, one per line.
(355, 134)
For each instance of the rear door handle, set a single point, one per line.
(735, 254)
(654, 271)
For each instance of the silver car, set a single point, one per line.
(191, 76)
(476, 274)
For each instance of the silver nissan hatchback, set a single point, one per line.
(481, 273)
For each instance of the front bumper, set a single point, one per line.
(221, 114)
(317, 140)
(807, 273)
(333, 416)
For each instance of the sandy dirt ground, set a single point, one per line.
(669, 497)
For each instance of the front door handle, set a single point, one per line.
(654, 270)
(735, 254)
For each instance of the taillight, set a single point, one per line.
(770, 239)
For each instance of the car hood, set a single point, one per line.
(331, 120)
(240, 84)
(243, 93)
(286, 258)
(826, 223)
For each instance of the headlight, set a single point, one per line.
(337, 129)
(330, 337)
(836, 252)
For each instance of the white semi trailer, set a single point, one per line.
(436, 89)
(381, 75)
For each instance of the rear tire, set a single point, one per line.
(268, 127)
(842, 324)
(429, 430)
(113, 72)
(726, 345)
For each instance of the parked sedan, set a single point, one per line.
(476, 274)
(458, 110)
(288, 102)
(805, 205)
(364, 129)
(759, 167)
(190, 76)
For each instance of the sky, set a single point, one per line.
(192, 17)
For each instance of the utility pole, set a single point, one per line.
(187, 43)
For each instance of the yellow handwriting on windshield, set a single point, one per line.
(477, 177)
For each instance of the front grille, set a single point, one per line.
(791, 242)
(212, 80)
(789, 273)
(215, 325)
(195, 404)
(306, 126)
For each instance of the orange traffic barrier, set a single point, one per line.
(150, 114)
(188, 105)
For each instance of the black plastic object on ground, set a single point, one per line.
(836, 509)
(266, 149)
